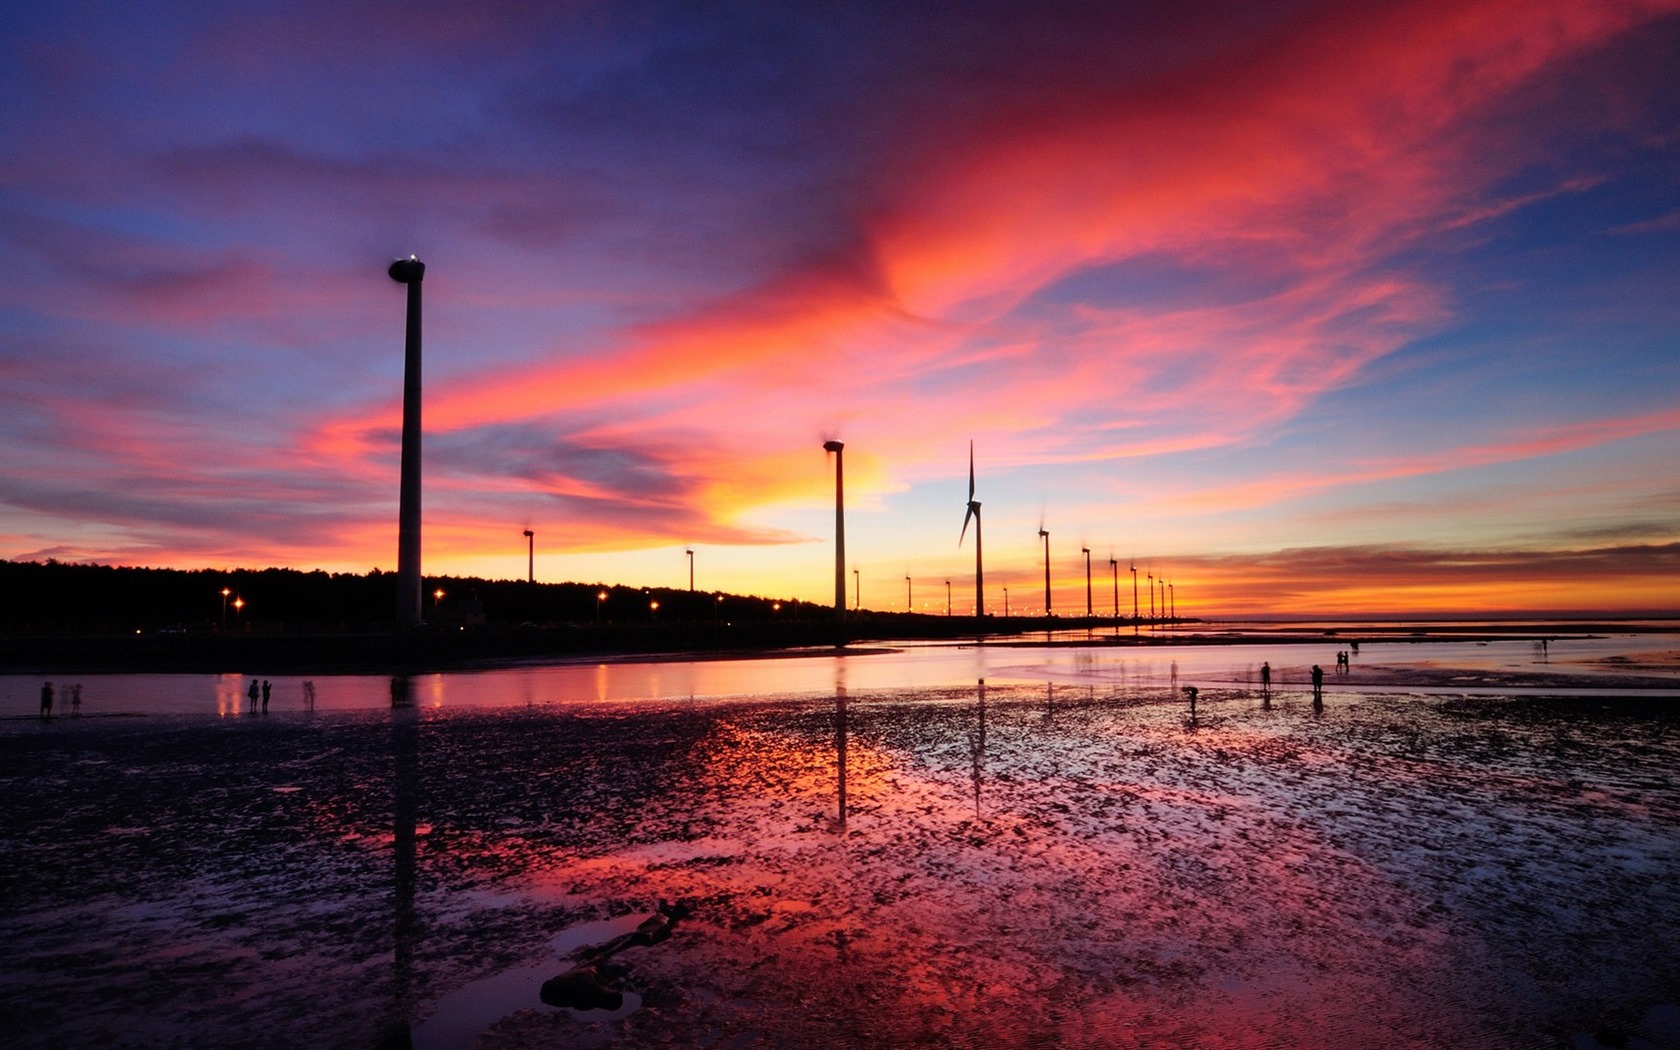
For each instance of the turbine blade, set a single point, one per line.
(966, 517)
(971, 470)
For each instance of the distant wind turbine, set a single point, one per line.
(1045, 536)
(979, 565)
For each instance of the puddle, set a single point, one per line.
(464, 1015)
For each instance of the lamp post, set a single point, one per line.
(600, 597)
(1114, 570)
(1006, 603)
(947, 599)
(1151, 597)
(1134, 600)
(838, 449)
(226, 591)
(1045, 536)
(239, 610)
(857, 592)
(690, 554)
(1087, 552)
(1172, 615)
(530, 556)
(411, 272)
(437, 597)
(908, 605)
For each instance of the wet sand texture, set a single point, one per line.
(1040, 866)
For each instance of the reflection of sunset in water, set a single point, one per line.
(1085, 866)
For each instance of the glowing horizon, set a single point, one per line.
(1317, 311)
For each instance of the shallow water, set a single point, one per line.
(1062, 856)
(1575, 661)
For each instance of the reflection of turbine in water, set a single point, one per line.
(840, 739)
(405, 740)
(977, 747)
(979, 564)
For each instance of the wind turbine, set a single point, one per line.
(839, 529)
(979, 566)
(1045, 536)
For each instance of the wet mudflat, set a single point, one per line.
(1063, 865)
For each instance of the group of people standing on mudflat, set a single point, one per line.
(47, 699)
(1343, 665)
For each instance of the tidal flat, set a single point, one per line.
(999, 866)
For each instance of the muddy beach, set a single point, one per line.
(1003, 865)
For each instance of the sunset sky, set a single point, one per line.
(1308, 307)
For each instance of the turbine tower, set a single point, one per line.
(409, 271)
(979, 565)
(839, 529)
(1045, 536)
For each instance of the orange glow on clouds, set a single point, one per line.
(1191, 310)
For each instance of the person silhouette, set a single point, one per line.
(252, 693)
(1318, 686)
(267, 687)
(1266, 678)
(46, 699)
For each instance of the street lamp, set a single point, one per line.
(857, 592)
(437, 597)
(908, 605)
(1006, 603)
(226, 591)
(530, 556)
(1134, 600)
(238, 610)
(1114, 570)
(838, 448)
(600, 597)
(947, 597)
(690, 554)
(1151, 577)
(1087, 552)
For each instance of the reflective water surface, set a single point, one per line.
(910, 666)
(1059, 855)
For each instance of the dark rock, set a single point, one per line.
(581, 989)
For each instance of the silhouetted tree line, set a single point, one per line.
(51, 597)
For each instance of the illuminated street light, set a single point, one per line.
(226, 592)
(599, 598)
(437, 597)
